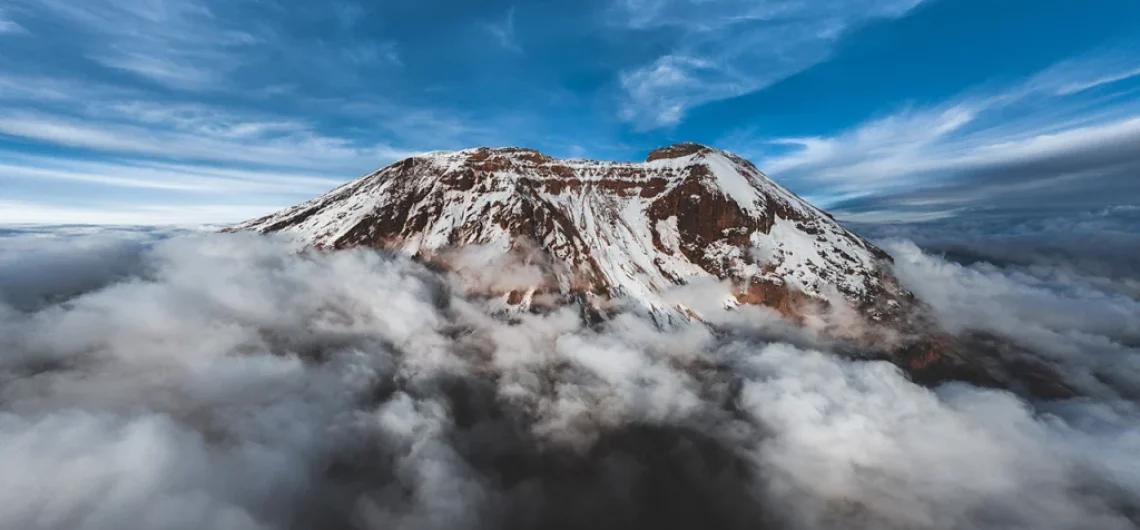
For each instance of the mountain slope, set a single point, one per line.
(607, 230)
(530, 232)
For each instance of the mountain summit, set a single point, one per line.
(529, 232)
(606, 231)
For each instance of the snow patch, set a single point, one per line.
(668, 235)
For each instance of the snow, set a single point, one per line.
(734, 183)
(810, 264)
(668, 235)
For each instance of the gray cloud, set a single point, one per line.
(1091, 249)
(1063, 181)
(237, 381)
(40, 265)
(1068, 288)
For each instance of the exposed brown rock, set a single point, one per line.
(676, 151)
(789, 302)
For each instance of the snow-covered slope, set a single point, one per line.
(608, 231)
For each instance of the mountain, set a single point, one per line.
(529, 231)
(608, 230)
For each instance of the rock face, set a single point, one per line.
(606, 231)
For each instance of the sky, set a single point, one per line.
(215, 111)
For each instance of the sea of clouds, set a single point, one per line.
(193, 380)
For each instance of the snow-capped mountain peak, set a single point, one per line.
(607, 230)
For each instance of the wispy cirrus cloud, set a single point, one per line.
(125, 213)
(503, 31)
(271, 143)
(189, 160)
(721, 50)
(348, 14)
(163, 176)
(112, 90)
(7, 25)
(1081, 86)
(180, 99)
(179, 44)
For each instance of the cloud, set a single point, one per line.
(238, 381)
(256, 89)
(170, 149)
(664, 86)
(1038, 144)
(9, 26)
(348, 13)
(370, 53)
(727, 49)
(126, 213)
(1086, 330)
(846, 437)
(504, 32)
(1089, 85)
(1092, 250)
(120, 139)
(41, 265)
(1098, 70)
(163, 176)
(1067, 288)
(183, 45)
(194, 132)
(207, 97)
(105, 132)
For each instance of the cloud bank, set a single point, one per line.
(236, 381)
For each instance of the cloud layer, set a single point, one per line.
(236, 381)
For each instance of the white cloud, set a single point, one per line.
(167, 149)
(504, 31)
(147, 142)
(371, 53)
(9, 26)
(231, 119)
(175, 43)
(234, 140)
(665, 85)
(726, 49)
(348, 13)
(234, 381)
(126, 213)
(1059, 144)
(1089, 85)
(1100, 68)
(160, 176)
(1084, 329)
(884, 149)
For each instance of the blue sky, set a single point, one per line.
(190, 111)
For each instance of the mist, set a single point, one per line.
(237, 381)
